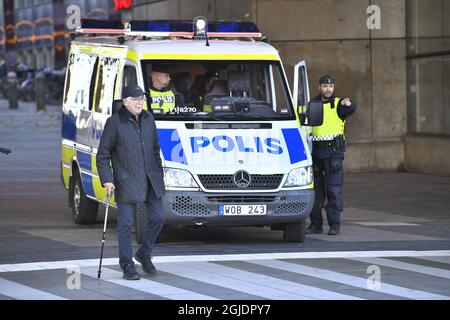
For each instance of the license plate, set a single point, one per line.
(243, 210)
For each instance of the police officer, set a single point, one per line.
(161, 95)
(202, 88)
(211, 76)
(328, 155)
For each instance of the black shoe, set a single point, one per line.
(130, 273)
(334, 231)
(146, 262)
(312, 228)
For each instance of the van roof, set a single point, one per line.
(172, 49)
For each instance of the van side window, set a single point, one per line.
(129, 76)
(92, 87)
(279, 97)
(68, 78)
(104, 89)
(79, 79)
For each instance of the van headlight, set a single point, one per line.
(179, 178)
(299, 177)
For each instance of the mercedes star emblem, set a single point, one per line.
(242, 179)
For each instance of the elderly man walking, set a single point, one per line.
(130, 142)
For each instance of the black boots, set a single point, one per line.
(130, 273)
(334, 230)
(313, 229)
(146, 262)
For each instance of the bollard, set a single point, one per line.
(39, 90)
(12, 90)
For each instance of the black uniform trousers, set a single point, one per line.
(328, 183)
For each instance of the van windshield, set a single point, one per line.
(217, 90)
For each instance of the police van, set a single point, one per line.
(242, 161)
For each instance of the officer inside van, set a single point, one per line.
(203, 84)
(162, 96)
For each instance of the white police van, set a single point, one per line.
(245, 161)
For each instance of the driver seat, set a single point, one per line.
(239, 82)
(218, 90)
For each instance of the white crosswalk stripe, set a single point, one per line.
(436, 272)
(265, 276)
(145, 285)
(21, 292)
(349, 280)
(249, 282)
(437, 259)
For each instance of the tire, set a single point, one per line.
(84, 210)
(294, 232)
(141, 221)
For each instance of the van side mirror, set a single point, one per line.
(116, 105)
(313, 116)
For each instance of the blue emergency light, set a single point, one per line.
(187, 26)
(200, 27)
(102, 24)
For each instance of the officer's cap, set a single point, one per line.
(132, 91)
(163, 68)
(326, 79)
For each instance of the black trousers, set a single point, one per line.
(125, 218)
(328, 183)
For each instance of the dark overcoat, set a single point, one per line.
(134, 153)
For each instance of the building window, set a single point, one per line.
(18, 4)
(31, 59)
(48, 56)
(428, 61)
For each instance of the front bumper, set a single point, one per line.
(194, 208)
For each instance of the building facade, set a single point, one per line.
(396, 69)
(35, 31)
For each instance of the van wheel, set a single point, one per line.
(84, 210)
(294, 232)
(141, 221)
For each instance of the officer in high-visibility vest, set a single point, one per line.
(161, 95)
(328, 155)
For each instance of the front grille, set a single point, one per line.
(243, 199)
(185, 206)
(292, 206)
(226, 182)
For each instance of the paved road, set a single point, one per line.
(394, 223)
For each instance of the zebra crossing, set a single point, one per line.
(358, 275)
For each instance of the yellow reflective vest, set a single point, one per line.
(332, 125)
(164, 100)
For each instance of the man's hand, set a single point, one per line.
(346, 102)
(109, 188)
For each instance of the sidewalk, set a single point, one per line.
(27, 117)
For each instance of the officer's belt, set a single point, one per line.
(337, 142)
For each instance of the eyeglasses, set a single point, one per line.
(137, 99)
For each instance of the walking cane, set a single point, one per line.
(107, 198)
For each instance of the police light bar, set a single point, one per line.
(170, 28)
(102, 26)
(173, 28)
